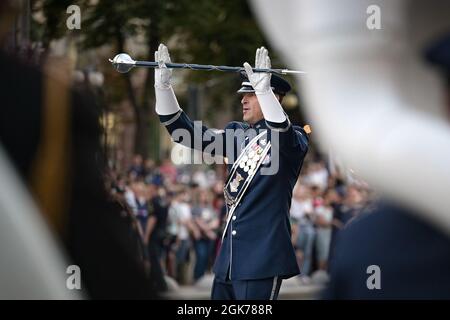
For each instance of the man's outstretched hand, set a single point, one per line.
(260, 81)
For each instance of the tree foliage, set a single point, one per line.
(221, 32)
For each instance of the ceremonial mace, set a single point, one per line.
(123, 63)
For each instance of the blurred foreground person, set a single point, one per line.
(51, 134)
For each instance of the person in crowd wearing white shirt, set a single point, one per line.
(303, 233)
(323, 222)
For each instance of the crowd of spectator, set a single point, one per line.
(179, 213)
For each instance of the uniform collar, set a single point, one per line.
(259, 125)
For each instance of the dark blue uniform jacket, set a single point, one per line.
(257, 243)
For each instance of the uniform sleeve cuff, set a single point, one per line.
(168, 119)
(279, 126)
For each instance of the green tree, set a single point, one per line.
(212, 32)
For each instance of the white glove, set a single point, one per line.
(260, 81)
(166, 101)
(163, 75)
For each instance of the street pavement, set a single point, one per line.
(291, 289)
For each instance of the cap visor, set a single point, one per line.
(246, 90)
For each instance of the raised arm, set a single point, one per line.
(195, 135)
(166, 101)
(274, 115)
